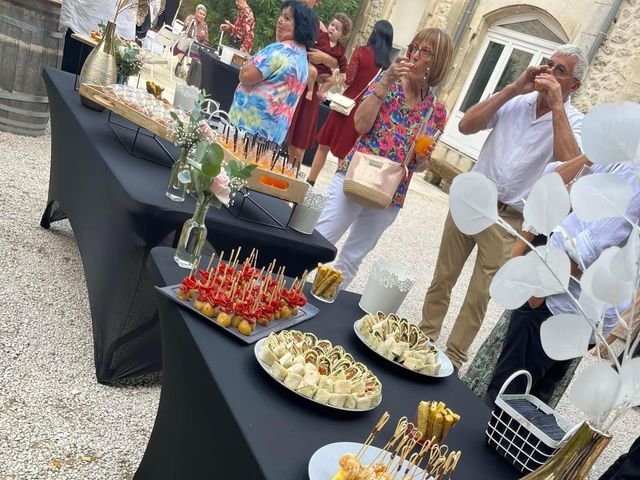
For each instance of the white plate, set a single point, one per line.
(324, 462)
(257, 348)
(446, 367)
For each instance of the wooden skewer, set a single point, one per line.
(379, 426)
(403, 456)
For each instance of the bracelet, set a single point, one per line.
(377, 96)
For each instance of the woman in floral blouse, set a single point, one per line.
(273, 80)
(242, 30)
(388, 120)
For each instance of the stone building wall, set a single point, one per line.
(614, 73)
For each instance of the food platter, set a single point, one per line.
(302, 385)
(446, 367)
(323, 465)
(305, 312)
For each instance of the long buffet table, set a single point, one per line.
(116, 205)
(221, 416)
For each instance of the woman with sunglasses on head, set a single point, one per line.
(389, 120)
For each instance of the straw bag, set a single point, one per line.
(372, 180)
(343, 104)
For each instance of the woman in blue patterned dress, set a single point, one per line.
(273, 80)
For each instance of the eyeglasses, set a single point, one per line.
(421, 52)
(558, 70)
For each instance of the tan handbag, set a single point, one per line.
(372, 180)
(343, 104)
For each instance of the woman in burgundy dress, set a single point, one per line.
(338, 134)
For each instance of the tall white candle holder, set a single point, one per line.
(307, 213)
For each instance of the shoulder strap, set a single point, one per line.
(368, 84)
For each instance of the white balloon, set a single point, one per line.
(595, 391)
(600, 195)
(565, 336)
(598, 281)
(548, 204)
(610, 133)
(473, 202)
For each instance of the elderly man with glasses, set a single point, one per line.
(533, 123)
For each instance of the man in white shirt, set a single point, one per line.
(533, 124)
(83, 16)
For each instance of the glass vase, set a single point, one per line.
(177, 189)
(192, 237)
(575, 459)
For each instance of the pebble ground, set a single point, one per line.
(56, 421)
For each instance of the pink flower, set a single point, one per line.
(220, 187)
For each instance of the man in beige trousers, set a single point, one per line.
(533, 123)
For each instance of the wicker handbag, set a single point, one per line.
(372, 180)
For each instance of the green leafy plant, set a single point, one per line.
(129, 57)
(266, 13)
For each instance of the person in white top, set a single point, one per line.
(533, 123)
(83, 16)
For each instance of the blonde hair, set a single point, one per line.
(440, 43)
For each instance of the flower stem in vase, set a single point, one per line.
(177, 188)
(193, 236)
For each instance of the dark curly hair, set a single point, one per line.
(305, 28)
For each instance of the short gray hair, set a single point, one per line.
(581, 63)
(201, 7)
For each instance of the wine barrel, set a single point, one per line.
(29, 41)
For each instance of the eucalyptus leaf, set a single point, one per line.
(629, 383)
(599, 282)
(217, 152)
(201, 150)
(624, 261)
(473, 202)
(595, 391)
(548, 282)
(610, 133)
(600, 195)
(176, 119)
(511, 286)
(548, 204)
(565, 336)
(211, 169)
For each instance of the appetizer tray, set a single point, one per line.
(103, 96)
(396, 354)
(305, 312)
(324, 463)
(270, 182)
(322, 373)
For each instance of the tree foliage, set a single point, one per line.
(266, 13)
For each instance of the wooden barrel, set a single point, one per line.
(29, 41)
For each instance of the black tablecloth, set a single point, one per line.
(221, 416)
(117, 208)
(221, 80)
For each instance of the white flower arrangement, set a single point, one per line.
(610, 136)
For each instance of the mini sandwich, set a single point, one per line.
(322, 395)
(292, 380)
(278, 372)
(267, 356)
(342, 386)
(337, 399)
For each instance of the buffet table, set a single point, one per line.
(221, 416)
(116, 205)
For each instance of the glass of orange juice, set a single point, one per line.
(426, 139)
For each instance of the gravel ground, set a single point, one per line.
(56, 421)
